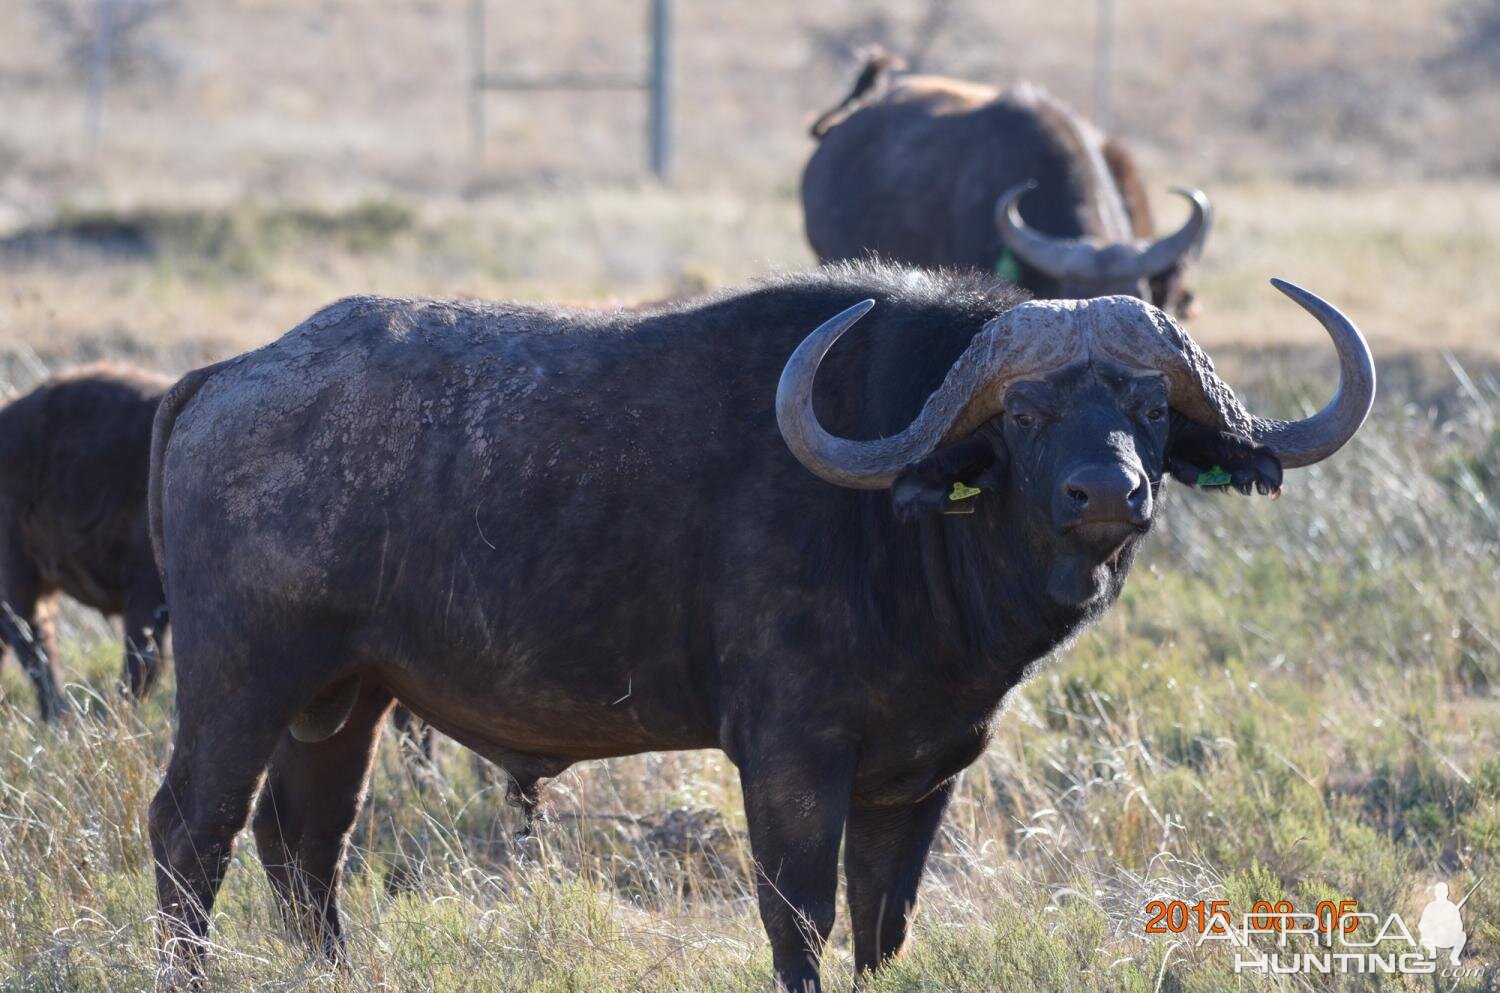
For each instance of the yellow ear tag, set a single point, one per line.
(963, 492)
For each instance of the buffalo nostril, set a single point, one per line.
(1103, 493)
(1139, 503)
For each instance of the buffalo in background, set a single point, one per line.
(934, 172)
(73, 457)
(73, 460)
(564, 535)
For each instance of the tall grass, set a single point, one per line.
(1294, 700)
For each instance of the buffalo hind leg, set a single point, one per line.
(26, 626)
(145, 631)
(311, 797)
(203, 803)
(795, 804)
(885, 851)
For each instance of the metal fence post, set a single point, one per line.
(476, 92)
(659, 118)
(93, 112)
(656, 83)
(1104, 57)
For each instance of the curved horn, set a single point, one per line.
(837, 460)
(1201, 199)
(1200, 395)
(1057, 257)
(1164, 253)
(1027, 340)
(1313, 439)
(1035, 337)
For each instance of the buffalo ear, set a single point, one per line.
(1210, 459)
(942, 481)
(1169, 291)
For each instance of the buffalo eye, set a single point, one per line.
(1156, 413)
(1026, 420)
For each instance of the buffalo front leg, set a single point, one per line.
(310, 800)
(795, 803)
(26, 626)
(145, 630)
(885, 851)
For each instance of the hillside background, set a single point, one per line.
(257, 157)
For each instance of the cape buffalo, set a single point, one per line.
(73, 460)
(73, 457)
(562, 535)
(936, 172)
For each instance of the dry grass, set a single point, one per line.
(339, 98)
(1411, 262)
(1294, 700)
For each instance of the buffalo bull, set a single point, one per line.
(561, 536)
(938, 172)
(73, 518)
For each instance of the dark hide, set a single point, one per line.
(72, 518)
(913, 176)
(563, 535)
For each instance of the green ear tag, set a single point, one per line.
(963, 492)
(1008, 267)
(1215, 477)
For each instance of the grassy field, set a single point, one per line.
(178, 286)
(1294, 701)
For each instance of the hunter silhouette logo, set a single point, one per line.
(1441, 926)
(1277, 939)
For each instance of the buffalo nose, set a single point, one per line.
(1098, 493)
